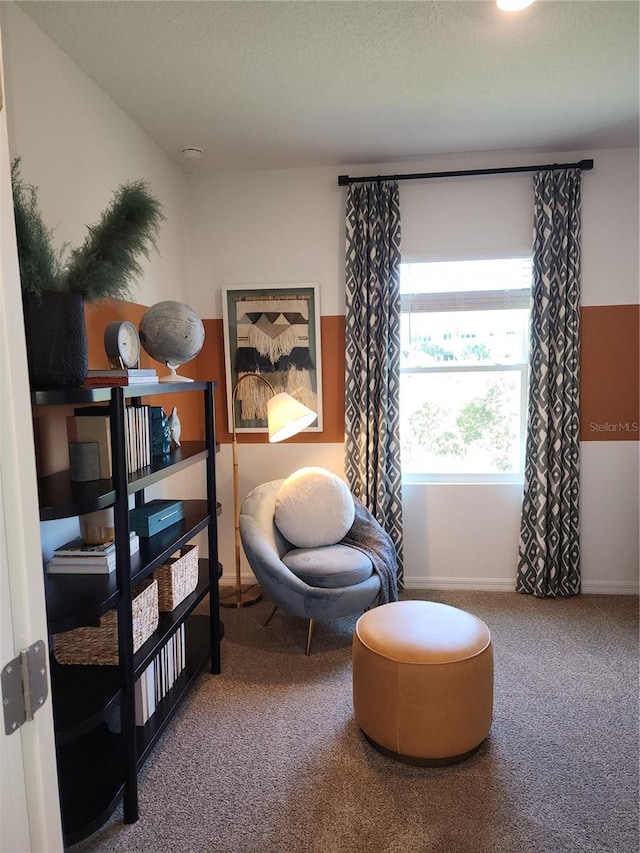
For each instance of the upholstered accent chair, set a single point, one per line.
(315, 582)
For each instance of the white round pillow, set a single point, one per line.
(313, 508)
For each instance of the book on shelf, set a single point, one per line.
(76, 557)
(110, 381)
(79, 549)
(160, 676)
(129, 439)
(131, 372)
(92, 423)
(145, 701)
(140, 699)
(98, 429)
(126, 376)
(79, 546)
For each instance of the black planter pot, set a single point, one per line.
(56, 339)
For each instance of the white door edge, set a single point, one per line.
(20, 554)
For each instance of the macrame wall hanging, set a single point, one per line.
(272, 338)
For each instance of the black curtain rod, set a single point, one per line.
(585, 165)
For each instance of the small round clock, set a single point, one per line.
(122, 344)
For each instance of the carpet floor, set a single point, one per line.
(266, 757)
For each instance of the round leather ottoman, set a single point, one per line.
(423, 681)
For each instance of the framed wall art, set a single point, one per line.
(274, 331)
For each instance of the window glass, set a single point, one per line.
(464, 336)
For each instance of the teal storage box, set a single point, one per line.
(155, 516)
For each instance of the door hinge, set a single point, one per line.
(24, 686)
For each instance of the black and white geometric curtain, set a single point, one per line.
(549, 550)
(372, 399)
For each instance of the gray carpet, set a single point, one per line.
(267, 757)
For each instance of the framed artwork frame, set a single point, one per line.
(272, 330)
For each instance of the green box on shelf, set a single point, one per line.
(155, 516)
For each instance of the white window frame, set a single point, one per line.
(481, 300)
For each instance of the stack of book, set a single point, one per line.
(137, 434)
(93, 424)
(127, 376)
(160, 676)
(78, 558)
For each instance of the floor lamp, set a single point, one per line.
(285, 417)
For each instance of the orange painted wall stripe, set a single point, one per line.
(610, 373)
(211, 364)
(97, 316)
(609, 389)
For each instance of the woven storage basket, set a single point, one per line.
(99, 644)
(177, 578)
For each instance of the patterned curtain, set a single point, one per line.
(372, 400)
(549, 552)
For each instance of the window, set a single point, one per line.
(464, 363)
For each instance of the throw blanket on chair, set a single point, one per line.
(368, 536)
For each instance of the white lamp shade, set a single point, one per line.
(513, 5)
(286, 417)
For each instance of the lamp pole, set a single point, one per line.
(286, 416)
(251, 594)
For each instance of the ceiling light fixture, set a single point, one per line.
(191, 152)
(513, 5)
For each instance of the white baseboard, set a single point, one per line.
(611, 587)
(604, 587)
(483, 584)
(509, 585)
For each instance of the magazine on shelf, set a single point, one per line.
(76, 557)
(77, 547)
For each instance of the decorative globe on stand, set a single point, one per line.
(173, 333)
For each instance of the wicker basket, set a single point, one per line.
(99, 644)
(177, 578)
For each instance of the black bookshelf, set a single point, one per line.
(99, 747)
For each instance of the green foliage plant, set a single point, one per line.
(40, 264)
(106, 264)
(481, 422)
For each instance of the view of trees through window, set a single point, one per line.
(464, 340)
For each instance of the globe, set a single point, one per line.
(173, 333)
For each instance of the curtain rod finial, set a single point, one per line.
(343, 180)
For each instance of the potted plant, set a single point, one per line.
(56, 284)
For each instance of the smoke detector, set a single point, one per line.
(191, 152)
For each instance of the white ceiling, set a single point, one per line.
(270, 84)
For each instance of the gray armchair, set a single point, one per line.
(312, 588)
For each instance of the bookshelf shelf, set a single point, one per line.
(59, 497)
(168, 622)
(74, 600)
(99, 747)
(77, 396)
(92, 781)
(181, 457)
(197, 643)
(84, 696)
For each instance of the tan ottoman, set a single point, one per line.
(423, 681)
